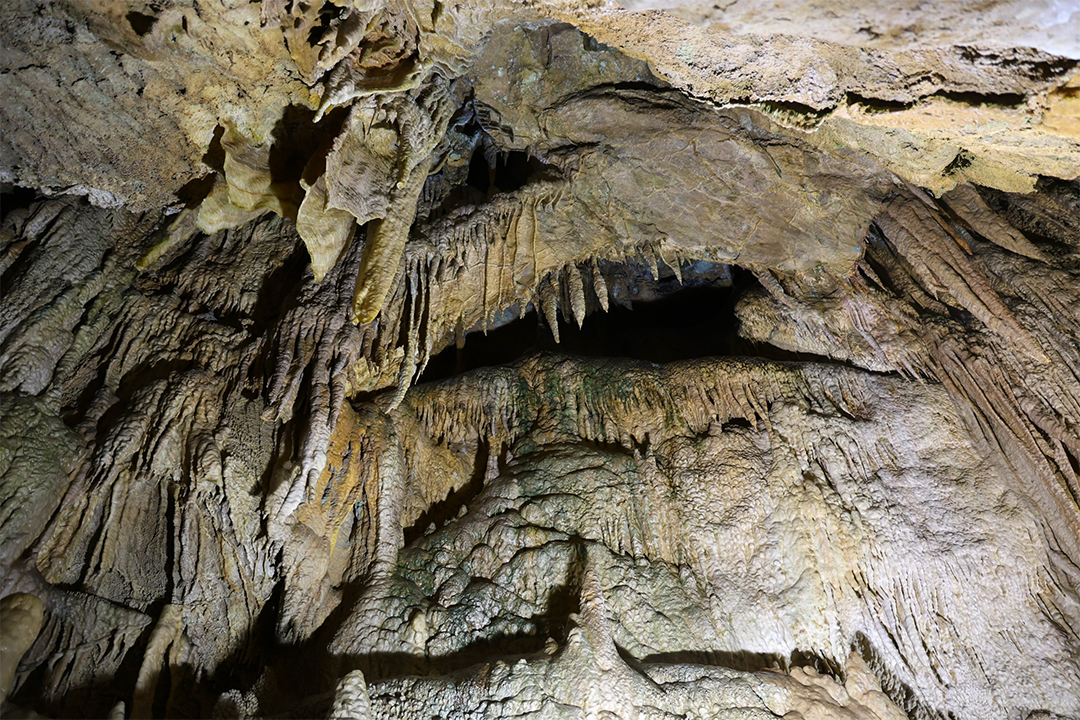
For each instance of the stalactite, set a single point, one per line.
(945, 269)
(599, 284)
(422, 122)
(965, 202)
(576, 291)
(188, 406)
(549, 304)
(687, 397)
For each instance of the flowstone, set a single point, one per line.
(539, 358)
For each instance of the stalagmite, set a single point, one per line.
(351, 700)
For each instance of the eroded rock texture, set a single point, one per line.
(409, 359)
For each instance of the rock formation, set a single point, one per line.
(540, 358)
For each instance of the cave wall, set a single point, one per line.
(235, 234)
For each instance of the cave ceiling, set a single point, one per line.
(540, 358)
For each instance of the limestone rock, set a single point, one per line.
(22, 615)
(539, 358)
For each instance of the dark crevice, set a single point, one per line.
(1047, 441)
(214, 157)
(447, 509)
(656, 85)
(475, 168)
(877, 105)
(961, 161)
(193, 192)
(249, 659)
(298, 149)
(327, 14)
(737, 423)
(144, 375)
(1031, 64)
(879, 256)
(745, 661)
(513, 170)
(974, 98)
(141, 23)
(18, 257)
(809, 113)
(280, 290)
(658, 321)
(276, 291)
(74, 414)
(15, 197)
(298, 139)
(479, 173)
(502, 172)
(1073, 460)
(1047, 217)
(694, 322)
(555, 621)
(328, 129)
(496, 347)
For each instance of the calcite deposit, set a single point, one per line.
(540, 359)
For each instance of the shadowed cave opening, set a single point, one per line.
(658, 321)
(496, 171)
(15, 197)
(141, 23)
(489, 169)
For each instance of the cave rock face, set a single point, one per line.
(540, 358)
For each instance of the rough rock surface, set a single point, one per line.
(411, 359)
(22, 621)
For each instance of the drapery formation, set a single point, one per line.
(238, 238)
